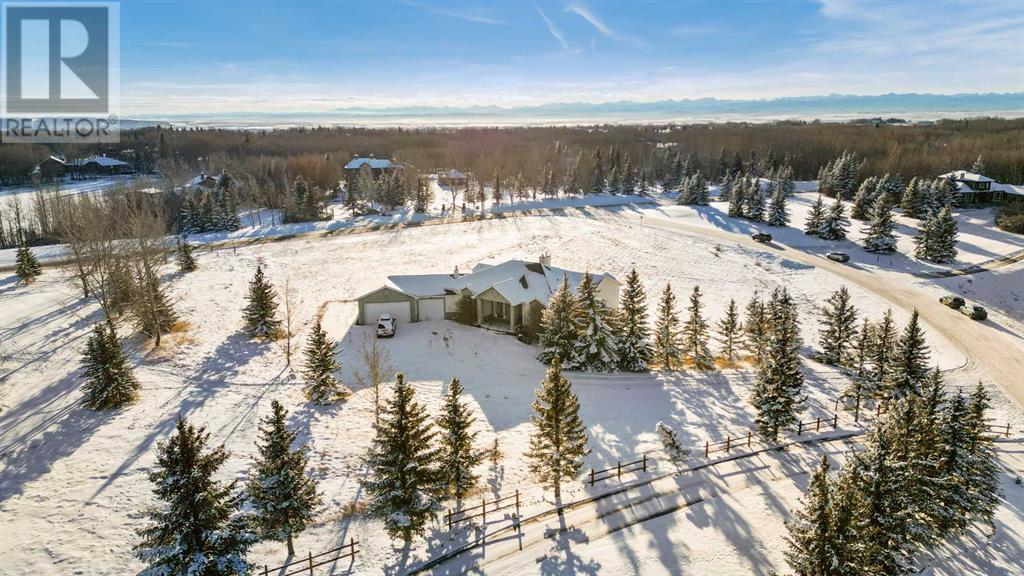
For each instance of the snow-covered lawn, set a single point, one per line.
(73, 484)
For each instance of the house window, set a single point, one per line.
(499, 309)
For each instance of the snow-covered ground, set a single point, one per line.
(69, 187)
(73, 484)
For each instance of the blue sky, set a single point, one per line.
(201, 56)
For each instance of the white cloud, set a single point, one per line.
(555, 31)
(462, 15)
(583, 11)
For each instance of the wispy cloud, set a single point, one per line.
(555, 31)
(583, 11)
(693, 30)
(462, 15)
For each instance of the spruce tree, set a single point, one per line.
(321, 386)
(183, 255)
(635, 350)
(778, 391)
(558, 331)
(738, 197)
(954, 464)
(695, 334)
(26, 265)
(283, 495)
(879, 236)
(596, 346)
(979, 166)
(861, 385)
(755, 327)
(755, 197)
(815, 217)
(261, 311)
(666, 332)
(834, 223)
(778, 214)
(983, 468)
(838, 327)
(458, 455)
(110, 381)
(864, 199)
(909, 362)
(151, 308)
(405, 486)
(197, 530)
(913, 203)
(558, 442)
(817, 546)
(729, 332)
(883, 344)
(936, 241)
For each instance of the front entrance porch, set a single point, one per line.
(498, 315)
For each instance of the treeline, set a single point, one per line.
(319, 154)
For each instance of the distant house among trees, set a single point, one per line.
(377, 167)
(204, 181)
(973, 188)
(99, 166)
(452, 178)
(503, 296)
(53, 168)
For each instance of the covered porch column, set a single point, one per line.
(479, 311)
(511, 318)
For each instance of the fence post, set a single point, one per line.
(835, 420)
(645, 460)
(618, 469)
(728, 443)
(310, 563)
(449, 520)
(817, 425)
(265, 570)
(591, 476)
(749, 437)
(799, 428)
(1007, 429)
(836, 408)
(517, 502)
(352, 543)
(483, 506)
(706, 444)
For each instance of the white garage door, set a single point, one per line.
(432, 309)
(400, 310)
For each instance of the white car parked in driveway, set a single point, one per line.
(386, 325)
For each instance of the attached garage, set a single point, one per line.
(431, 308)
(386, 301)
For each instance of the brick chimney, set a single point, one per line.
(545, 259)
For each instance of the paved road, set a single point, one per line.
(993, 353)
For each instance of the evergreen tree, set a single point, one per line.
(558, 331)
(755, 197)
(596, 346)
(321, 386)
(198, 529)
(261, 311)
(936, 241)
(26, 265)
(729, 332)
(671, 445)
(406, 484)
(635, 350)
(954, 464)
(496, 192)
(778, 214)
(909, 362)
(738, 198)
(979, 166)
(983, 469)
(815, 217)
(458, 455)
(834, 223)
(818, 544)
(110, 381)
(755, 327)
(186, 261)
(695, 334)
(838, 327)
(913, 202)
(666, 332)
(283, 495)
(881, 355)
(424, 196)
(861, 385)
(151, 307)
(558, 443)
(778, 390)
(864, 199)
(879, 237)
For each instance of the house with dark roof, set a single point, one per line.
(504, 295)
(99, 166)
(974, 188)
(51, 169)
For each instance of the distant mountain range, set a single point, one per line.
(835, 107)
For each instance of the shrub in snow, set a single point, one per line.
(670, 444)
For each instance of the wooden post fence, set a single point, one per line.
(310, 561)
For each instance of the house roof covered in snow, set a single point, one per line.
(517, 281)
(198, 180)
(453, 174)
(101, 160)
(965, 176)
(375, 163)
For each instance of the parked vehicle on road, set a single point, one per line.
(386, 325)
(761, 237)
(974, 312)
(954, 302)
(838, 256)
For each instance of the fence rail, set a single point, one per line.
(747, 440)
(617, 470)
(999, 429)
(817, 422)
(453, 517)
(310, 562)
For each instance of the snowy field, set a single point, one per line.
(73, 486)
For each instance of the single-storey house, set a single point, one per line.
(504, 295)
(452, 177)
(100, 165)
(977, 189)
(204, 181)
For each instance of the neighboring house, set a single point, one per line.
(377, 167)
(453, 178)
(504, 295)
(204, 181)
(51, 169)
(977, 189)
(99, 166)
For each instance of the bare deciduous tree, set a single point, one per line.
(376, 369)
